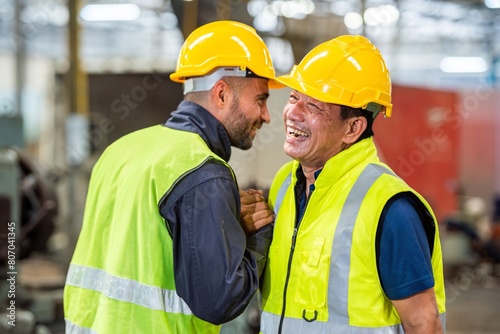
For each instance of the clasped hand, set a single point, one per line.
(255, 212)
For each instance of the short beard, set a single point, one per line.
(237, 128)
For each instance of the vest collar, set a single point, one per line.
(359, 154)
(192, 117)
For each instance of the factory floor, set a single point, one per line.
(473, 300)
(475, 311)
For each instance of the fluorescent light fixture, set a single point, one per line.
(353, 20)
(463, 65)
(492, 3)
(110, 12)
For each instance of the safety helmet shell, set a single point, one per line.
(347, 70)
(224, 43)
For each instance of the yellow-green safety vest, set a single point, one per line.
(121, 277)
(330, 277)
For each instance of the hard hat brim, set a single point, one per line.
(346, 97)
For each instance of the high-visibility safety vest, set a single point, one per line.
(322, 278)
(121, 276)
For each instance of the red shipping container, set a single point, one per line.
(420, 143)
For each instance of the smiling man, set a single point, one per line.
(355, 249)
(164, 246)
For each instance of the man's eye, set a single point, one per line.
(314, 107)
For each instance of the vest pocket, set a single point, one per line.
(312, 282)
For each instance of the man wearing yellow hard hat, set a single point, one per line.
(163, 246)
(355, 249)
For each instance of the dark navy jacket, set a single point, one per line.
(216, 266)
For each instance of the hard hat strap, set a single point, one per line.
(205, 83)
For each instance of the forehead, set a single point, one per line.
(259, 83)
(255, 86)
(321, 104)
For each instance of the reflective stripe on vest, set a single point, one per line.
(341, 247)
(71, 328)
(126, 290)
(293, 325)
(281, 193)
(338, 316)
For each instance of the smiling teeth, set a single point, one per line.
(297, 133)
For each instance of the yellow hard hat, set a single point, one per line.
(224, 44)
(347, 70)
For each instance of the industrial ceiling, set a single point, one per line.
(413, 35)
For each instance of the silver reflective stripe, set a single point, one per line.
(298, 326)
(126, 290)
(281, 193)
(341, 249)
(270, 324)
(71, 328)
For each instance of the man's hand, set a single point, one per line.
(255, 212)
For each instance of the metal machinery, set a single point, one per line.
(28, 206)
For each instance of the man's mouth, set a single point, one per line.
(254, 129)
(296, 133)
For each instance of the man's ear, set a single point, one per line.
(220, 93)
(355, 127)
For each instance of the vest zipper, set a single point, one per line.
(292, 249)
(289, 267)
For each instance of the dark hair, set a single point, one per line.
(236, 83)
(347, 112)
(196, 97)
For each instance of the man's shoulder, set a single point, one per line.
(210, 176)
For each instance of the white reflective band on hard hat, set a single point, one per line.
(203, 84)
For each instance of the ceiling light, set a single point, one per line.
(266, 22)
(110, 12)
(255, 7)
(383, 15)
(463, 65)
(353, 20)
(342, 7)
(492, 3)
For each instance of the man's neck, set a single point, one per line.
(310, 177)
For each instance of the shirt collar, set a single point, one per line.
(192, 117)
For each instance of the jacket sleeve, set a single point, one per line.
(216, 270)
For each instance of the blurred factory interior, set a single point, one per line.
(77, 74)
